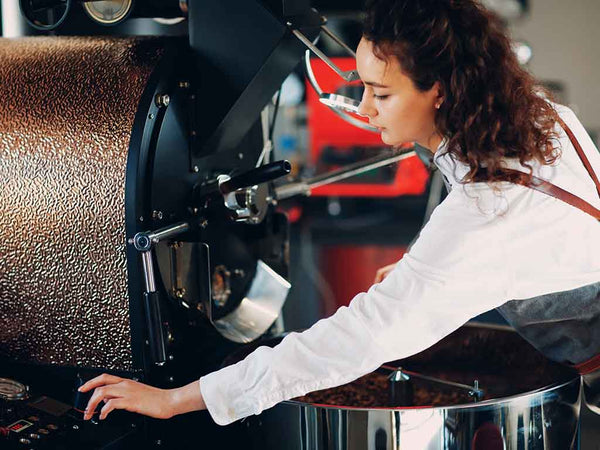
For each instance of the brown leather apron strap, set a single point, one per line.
(552, 190)
(580, 153)
(589, 366)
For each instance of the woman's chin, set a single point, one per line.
(387, 139)
(384, 137)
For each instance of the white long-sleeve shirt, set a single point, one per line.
(480, 249)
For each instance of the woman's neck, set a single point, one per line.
(433, 142)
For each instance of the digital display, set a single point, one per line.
(19, 426)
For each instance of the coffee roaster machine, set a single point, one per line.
(140, 234)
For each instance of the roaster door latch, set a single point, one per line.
(144, 242)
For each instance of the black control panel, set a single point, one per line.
(41, 422)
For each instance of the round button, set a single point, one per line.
(43, 431)
(34, 436)
(52, 427)
(24, 441)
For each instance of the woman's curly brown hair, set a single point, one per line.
(492, 108)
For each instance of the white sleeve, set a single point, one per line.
(443, 281)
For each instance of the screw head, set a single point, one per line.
(150, 116)
(162, 100)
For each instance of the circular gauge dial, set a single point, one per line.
(45, 15)
(12, 390)
(108, 12)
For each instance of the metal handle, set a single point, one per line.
(261, 174)
(156, 337)
(144, 242)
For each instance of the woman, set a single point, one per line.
(441, 74)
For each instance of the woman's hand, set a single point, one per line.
(121, 393)
(383, 272)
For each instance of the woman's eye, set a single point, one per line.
(380, 97)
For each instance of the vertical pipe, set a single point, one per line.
(12, 21)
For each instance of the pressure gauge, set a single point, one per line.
(12, 390)
(108, 12)
(45, 15)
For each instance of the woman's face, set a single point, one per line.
(393, 103)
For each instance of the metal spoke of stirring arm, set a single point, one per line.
(474, 391)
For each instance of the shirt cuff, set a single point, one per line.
(219, 402)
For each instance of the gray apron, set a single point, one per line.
(565, 327)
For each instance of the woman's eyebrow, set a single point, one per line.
(372, 83)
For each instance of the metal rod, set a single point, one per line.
(350, 75)
(305, 187)
(148, 271)
(357, 169)
(163, 233)
(474, 389)
(338, 40)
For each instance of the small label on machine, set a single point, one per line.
(19, 426)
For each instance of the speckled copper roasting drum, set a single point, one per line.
(67, 111)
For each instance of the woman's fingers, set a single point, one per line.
(100, 380)
(107, 392)
(383, 272)
(113, 403)
(380, 275)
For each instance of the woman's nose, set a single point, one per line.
(366, 107)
